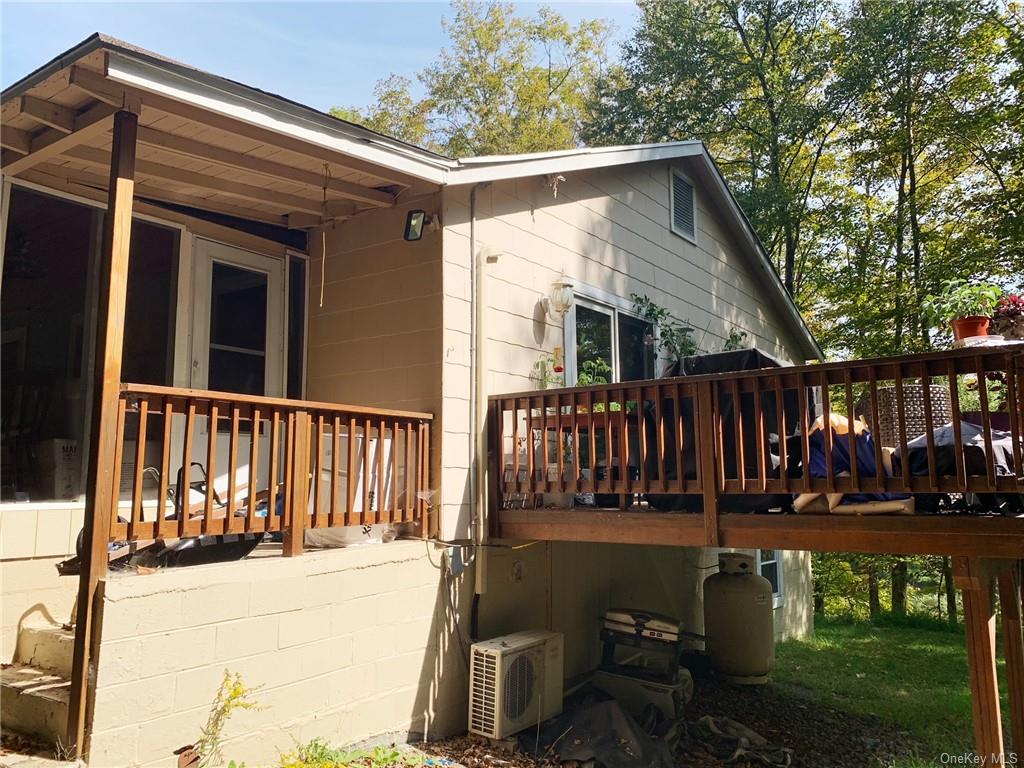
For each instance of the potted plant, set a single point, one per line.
(966, 306)
(1008, 319)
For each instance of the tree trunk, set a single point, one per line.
(901, 197)
(899, 588)
(819, 604)
(874, 603)
(947, 573)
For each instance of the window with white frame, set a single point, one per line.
(769, 565)
(606, 342)
(684, 206)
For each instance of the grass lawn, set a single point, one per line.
(910, 673)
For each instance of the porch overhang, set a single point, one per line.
(203, 142)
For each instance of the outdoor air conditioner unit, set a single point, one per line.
(514, 682)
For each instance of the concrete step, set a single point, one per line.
(34, 702)
(49, 648)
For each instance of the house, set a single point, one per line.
(244, 265)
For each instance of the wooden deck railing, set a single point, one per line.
(191, 463)
(684, 445)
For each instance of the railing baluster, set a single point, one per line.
(316, 470)
(516, 487)
(229, 511)
(641, 436)
(826, 426)
(780, 413)
(183, 493)
(165, 469)
(289, 468)
(118, 530)
(805, 432)
(929, 429)
(408, 511)
(381, 473)
(352, 476)
(531, 447)
(365, 515)
(332, 520)
(394, 515)
(135, 518)
(901, 423)
(762, 461)
(577, 469)
(211, 457)
(609, 475)
(1015, 408)
(958, 439)
(875, 430)
(592, 444)
(624, 471)
(273, 521)
(737, 428)
(254, 463)
(851, 428)
(659, 426)
(986, 422)
(680, 446)
(560, 443)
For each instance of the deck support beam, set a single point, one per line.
(977, 581)
(1011, 592)
(101, 495)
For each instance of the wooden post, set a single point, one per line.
(706, 448)
(100, 494)
(295, 533)
(976, 582)
(1011, 585)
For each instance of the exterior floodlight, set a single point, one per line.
(415, 223)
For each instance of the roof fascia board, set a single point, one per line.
(520, 166)
(234, 103)
(52, 67)
(754, 244)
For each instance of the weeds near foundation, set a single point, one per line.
(232, 695)
(319, 754)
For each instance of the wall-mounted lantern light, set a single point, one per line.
(559, 301)
(417, 221)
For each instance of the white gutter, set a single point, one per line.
(501, 167)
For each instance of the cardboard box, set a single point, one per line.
(58, 468)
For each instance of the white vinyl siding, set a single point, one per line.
(684, 206)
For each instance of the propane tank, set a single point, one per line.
(738, 620)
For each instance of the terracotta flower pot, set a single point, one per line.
(965, 327)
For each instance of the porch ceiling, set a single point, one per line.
(58, 133)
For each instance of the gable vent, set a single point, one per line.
(682, 207)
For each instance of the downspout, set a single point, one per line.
(478, 399)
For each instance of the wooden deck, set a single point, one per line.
(703, 442)
(703, 437)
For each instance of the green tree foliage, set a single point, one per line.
(914, 170)
(757, 81)
(505, 83)
(876, 146)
